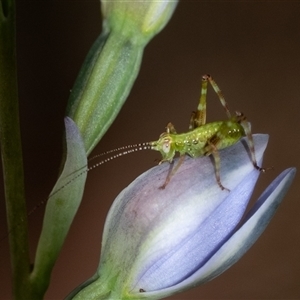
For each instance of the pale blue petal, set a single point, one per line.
(255, 223)
(144, 222)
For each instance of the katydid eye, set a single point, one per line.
(166, 146)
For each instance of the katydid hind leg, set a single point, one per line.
(219, 93)
(250, 143)
(198, 117)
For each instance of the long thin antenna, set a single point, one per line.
(133, 148)
(137, 147)
(129, 149)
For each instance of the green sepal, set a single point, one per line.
(61, 208)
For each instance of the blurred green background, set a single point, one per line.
(252, 49)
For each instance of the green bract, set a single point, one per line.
(113, 63)
(61, 207)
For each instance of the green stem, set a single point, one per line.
(12, 154)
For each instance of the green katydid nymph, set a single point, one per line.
(202, 139)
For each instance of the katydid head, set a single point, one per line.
(165, 146)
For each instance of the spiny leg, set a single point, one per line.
(219, 93)
(198, 117)
(246, 125)
(241, 119)
(212, 150)
(172, 171)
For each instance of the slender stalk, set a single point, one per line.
(12, 154)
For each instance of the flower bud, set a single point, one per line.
(160, 242)
(138, 19)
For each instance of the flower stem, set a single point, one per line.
(12, 153)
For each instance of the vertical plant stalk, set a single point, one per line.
(11, 152)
